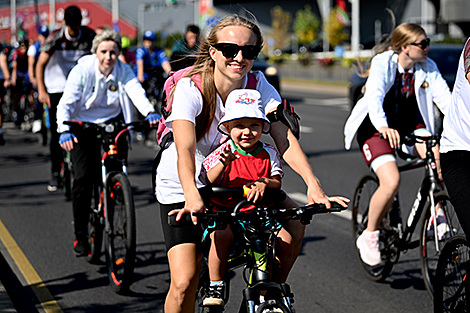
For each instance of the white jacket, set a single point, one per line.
(81, 90)
(456, 134)
(429, 87)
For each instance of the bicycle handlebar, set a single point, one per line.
(411, 139)
(136, 126)
(303, 213)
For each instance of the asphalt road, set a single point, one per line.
(41, 273)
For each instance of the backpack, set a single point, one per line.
(164, 136)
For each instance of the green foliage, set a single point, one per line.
(280, 27)
(335, 30)
(306, 25)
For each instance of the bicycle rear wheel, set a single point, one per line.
(95, 226)
(364, 191)
(428, 253)
(121, 235)
(449, 289)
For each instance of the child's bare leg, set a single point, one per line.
(222, 240)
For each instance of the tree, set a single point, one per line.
(306, 25)
(280, 27)
(335, 29)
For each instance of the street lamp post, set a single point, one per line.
(355, 30)
(13, 20)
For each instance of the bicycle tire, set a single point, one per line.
(364, 191)
(273, 306)
(449, 291)
(121, 237)
(428, 254)
(95, 227)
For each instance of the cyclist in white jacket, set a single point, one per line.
(99, 89)
(400, 91)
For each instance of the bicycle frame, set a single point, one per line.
(429, 186)
(258, 249)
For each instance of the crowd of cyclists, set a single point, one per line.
(78, 73)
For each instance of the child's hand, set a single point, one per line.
(227, 156)
(256, 191)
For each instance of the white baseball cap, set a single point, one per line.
(244, 103)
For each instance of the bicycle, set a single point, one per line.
(394, 237)
(113, 212)
(450, 285)
(255, 248)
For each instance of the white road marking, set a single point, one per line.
(337, 102)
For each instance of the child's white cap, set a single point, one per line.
(244, 103)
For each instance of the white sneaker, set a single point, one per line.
(368, 245)
(37, 125)
(443, 230)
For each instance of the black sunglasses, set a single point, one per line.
(423, 44)
(230, 50)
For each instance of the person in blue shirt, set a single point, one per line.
(150, 60)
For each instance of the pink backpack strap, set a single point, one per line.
(251, 83)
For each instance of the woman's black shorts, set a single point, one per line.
(186, 233)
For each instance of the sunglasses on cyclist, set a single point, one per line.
(423, 44)
(230, 50)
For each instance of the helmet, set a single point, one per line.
(150, 35)
(125, 42)
(43, 30)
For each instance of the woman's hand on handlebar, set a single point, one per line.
(391, 135)
(193, 204)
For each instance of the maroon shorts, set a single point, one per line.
(375, 146)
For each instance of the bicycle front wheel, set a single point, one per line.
(364, 191)
(448, 228)
(449, 289)
(121, 235)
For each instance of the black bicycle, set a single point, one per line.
(113, 211)
(395, 237)
(255, 248)
(451, 284)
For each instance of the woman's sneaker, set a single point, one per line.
(443, 230)
(215, 296)
(368, 245)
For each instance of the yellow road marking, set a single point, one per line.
(29, 273)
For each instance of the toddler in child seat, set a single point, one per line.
(243, 160)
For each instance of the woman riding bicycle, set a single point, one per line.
(399, 94)
(99, 89)
(226, 56)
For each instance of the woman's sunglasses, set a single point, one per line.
(230, 50)
(423, 44)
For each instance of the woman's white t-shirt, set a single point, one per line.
(187, 105)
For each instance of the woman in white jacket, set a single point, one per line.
(99, 89)
(400, 90)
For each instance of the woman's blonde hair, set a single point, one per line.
(402, 35)
(405, 34)
(205, 65)
(106, 35)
